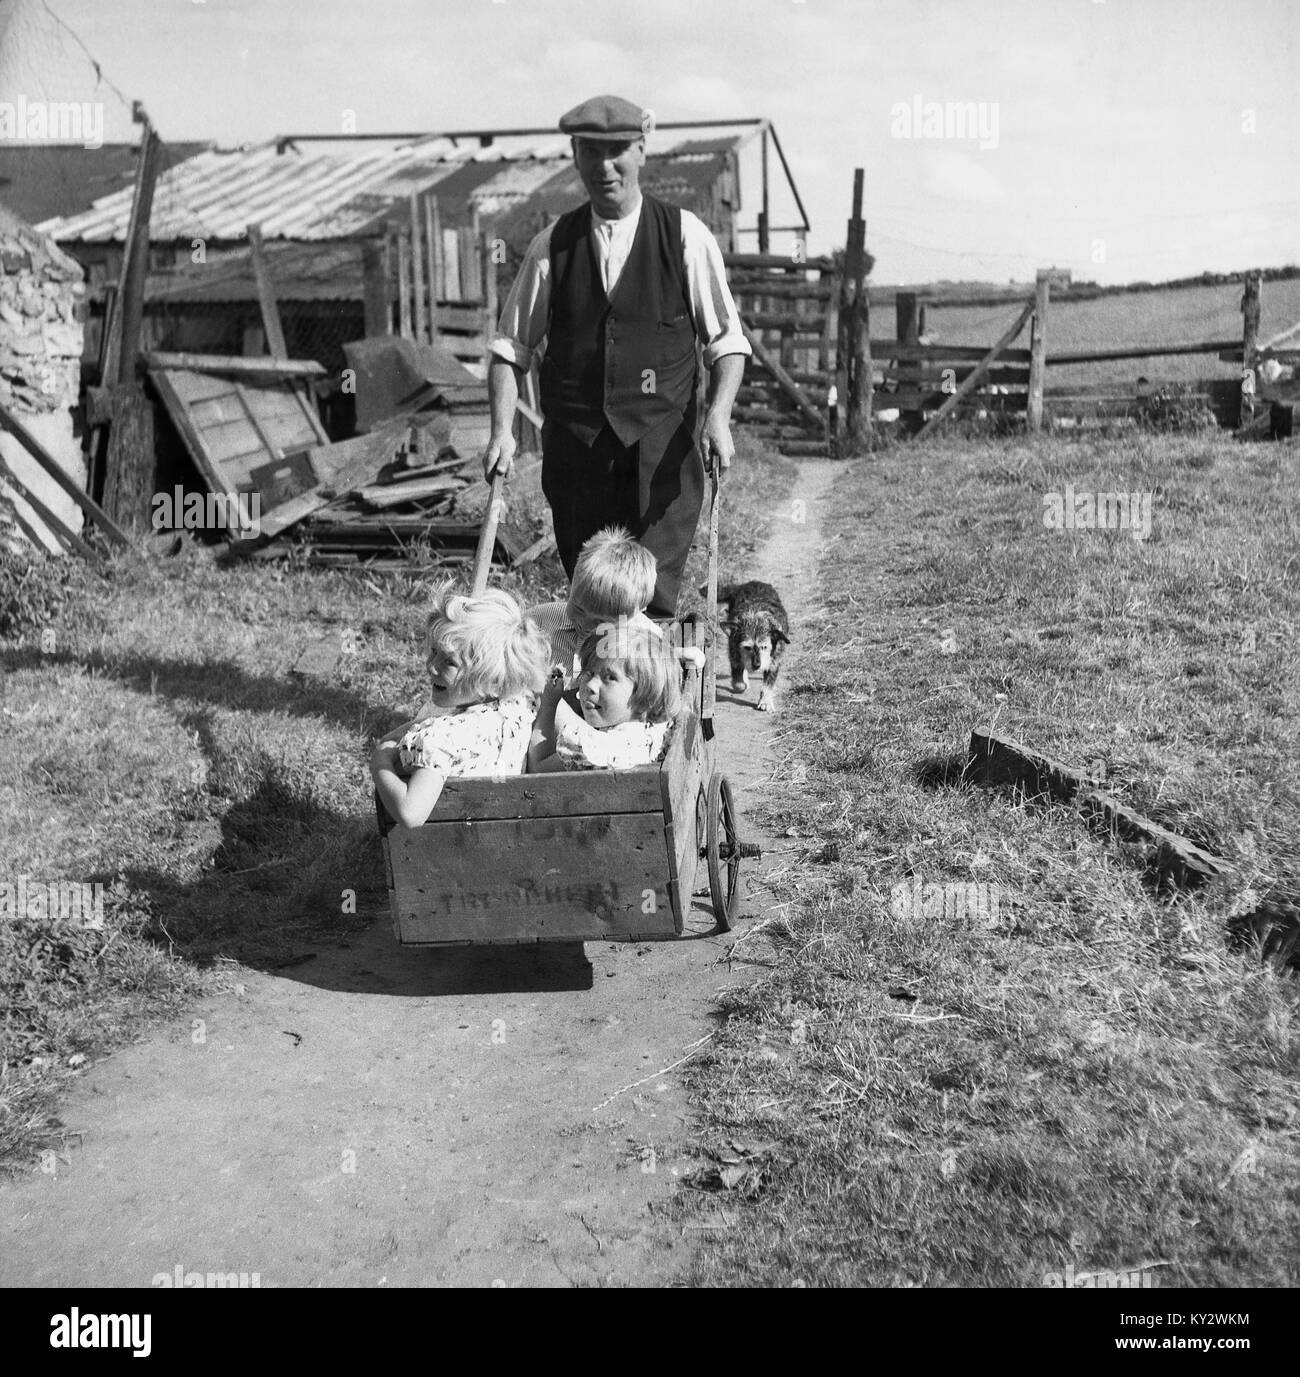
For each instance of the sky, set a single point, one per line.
(1122, 139)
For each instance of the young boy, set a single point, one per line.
(613, 581)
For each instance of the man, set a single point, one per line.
(619, 293)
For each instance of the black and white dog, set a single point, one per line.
(758, 629)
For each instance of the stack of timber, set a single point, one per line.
(789, 309)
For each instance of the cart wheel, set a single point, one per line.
(724, 848)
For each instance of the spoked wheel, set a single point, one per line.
(724, 851)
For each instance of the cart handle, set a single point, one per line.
(487, 536)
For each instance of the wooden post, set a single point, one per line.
(374, 271)
(1038, 351)
(431, 264)
(491, 309)
(439, 288)
(403, 284)
(907, 330)
(477, 278)
(417, 275)
(1249, 345)
(135, 259)
(266, 295)
(853, 345)
(764, 214)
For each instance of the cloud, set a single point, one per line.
(702, 97)
(592, 66)
(960, 177)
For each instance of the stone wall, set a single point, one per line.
(41, 328)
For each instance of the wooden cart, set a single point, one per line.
(585, 856)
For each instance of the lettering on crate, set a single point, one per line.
(602, 899)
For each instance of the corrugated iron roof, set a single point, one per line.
(327, 194)
(39, 182)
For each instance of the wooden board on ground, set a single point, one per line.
(995, 760)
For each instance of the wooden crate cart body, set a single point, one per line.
(592, 855)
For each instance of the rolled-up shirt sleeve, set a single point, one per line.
(521, 331)
(717, 321)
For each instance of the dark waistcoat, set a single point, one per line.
(629, 359)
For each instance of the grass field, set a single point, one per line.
(1184, 315)
(1070, 1069)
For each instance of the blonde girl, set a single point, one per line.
(486, 664)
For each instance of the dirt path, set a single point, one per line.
(377, 1116)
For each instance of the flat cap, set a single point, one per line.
(607, 117)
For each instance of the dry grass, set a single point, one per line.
(1090, 1075)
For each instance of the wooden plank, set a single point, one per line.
(577, 878)
(306, 400)
(272, 444)
(9, 422)
(417, 274)
(787, 322)
(56, 526)
(403, 285)
(535, 551)
(1234, 355)
(189, 433)
(394, 494)
(266, 295)
(376, 288)
(776, 260)
(970, 383)
(996, 760)
(236, 365)
(919, 399)
(431, 261)
(951, 374)
(565, 794)
(439, 258)
(1139, 352)
(817, 291)
(788, 385)
(887, 349)
(135, 259)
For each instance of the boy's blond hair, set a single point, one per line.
(501, 652)
(614, 576)
(647, 659)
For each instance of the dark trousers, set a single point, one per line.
(655, 488)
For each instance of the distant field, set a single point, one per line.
(1169, 316)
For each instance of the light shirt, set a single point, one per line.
(481, 739)
(580, 746)
(525, 318)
